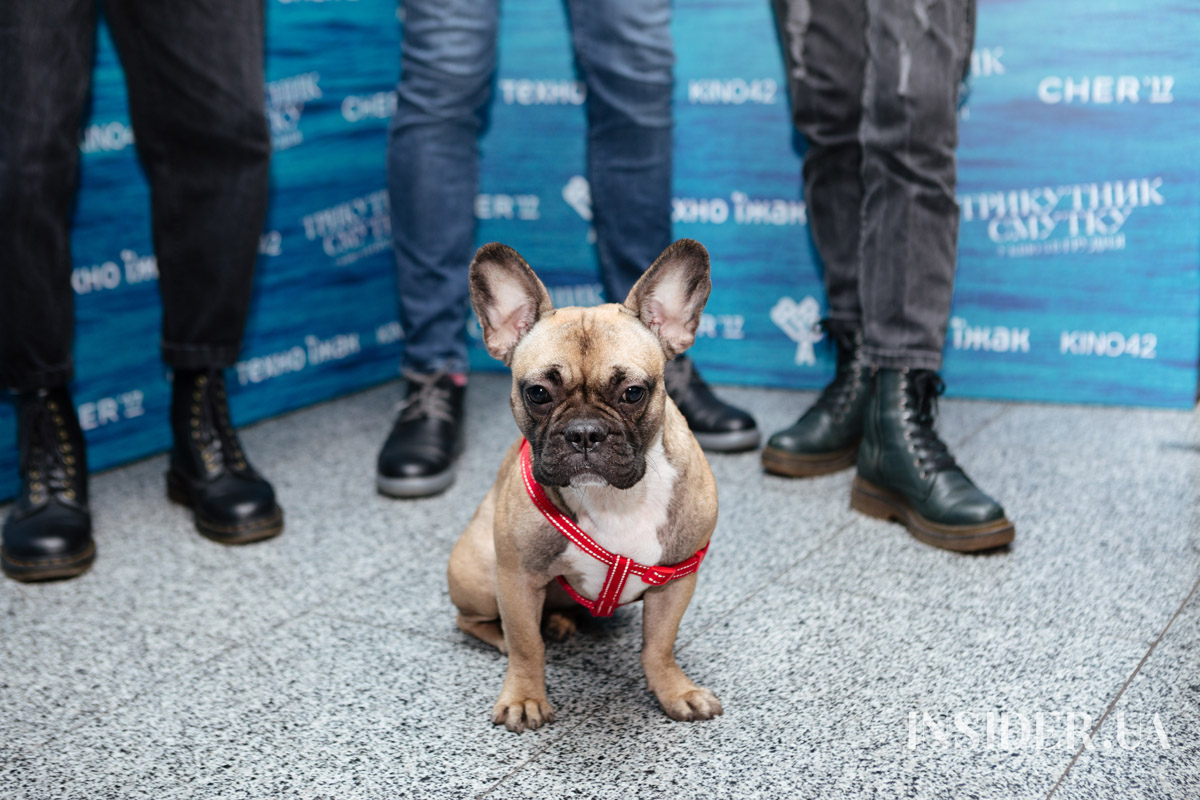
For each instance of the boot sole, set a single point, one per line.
(48, 569)
(807, 465)
(256, 531)
(731, 442)
(880, 503)
(424, 486)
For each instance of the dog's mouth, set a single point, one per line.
(561, 466)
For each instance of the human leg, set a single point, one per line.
(448, 63)
(196, 92)
(625, 53)
(909, 242)
(45, 73)
(825, 55)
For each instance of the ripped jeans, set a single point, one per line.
(874, 90)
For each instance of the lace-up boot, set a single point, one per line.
(906, 473)
(209, 473)
(49, 532)
(825, 439)
(717, 425)
(418, 457)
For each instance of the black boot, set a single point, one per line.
(906, 472)
(209, 473)
(418, 457)
(49, 532)
(825, 439)
(716, 425)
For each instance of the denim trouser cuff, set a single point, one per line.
(899, 359)
(451, 366)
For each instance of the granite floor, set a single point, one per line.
(852, 660)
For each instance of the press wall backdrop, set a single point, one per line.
(1079, 276)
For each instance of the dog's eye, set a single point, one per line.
(633, 394)
(537, 395)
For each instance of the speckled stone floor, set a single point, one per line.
(852, 660)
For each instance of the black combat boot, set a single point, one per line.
(209, 473)
(717, 425)
(49, 532)
(825, 439)
(418, 457)
(906, 473)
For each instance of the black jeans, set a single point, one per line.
(194, 70)
(874, 90)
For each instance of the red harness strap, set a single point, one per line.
(619, 567)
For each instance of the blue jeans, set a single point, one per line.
(448, 62)
(874, 87)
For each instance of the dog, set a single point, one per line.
(608, 497)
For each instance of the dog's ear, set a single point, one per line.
(670, 295)
(507, 296)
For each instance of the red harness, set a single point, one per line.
(619, 567)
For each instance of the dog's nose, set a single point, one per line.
(585, 434)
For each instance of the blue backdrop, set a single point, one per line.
(1079, 276)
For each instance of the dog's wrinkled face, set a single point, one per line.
(588, 389)
(588, 395)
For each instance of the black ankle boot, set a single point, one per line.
(716, 424)
(49, 532)
(906, 472)
(418, 457)
(209, 473)
(825, 439)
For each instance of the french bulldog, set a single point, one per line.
(606, 455)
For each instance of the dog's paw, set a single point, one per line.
(692, 705)
(559, 626)
(517, 714)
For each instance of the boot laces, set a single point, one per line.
(429, 401)
(210, 415)
(932, 454)
(837, 396)
(47, 458)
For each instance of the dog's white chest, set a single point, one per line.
(622, 521)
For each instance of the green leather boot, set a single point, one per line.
(825, 439)
(906, 473)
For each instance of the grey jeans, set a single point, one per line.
(874, 90)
